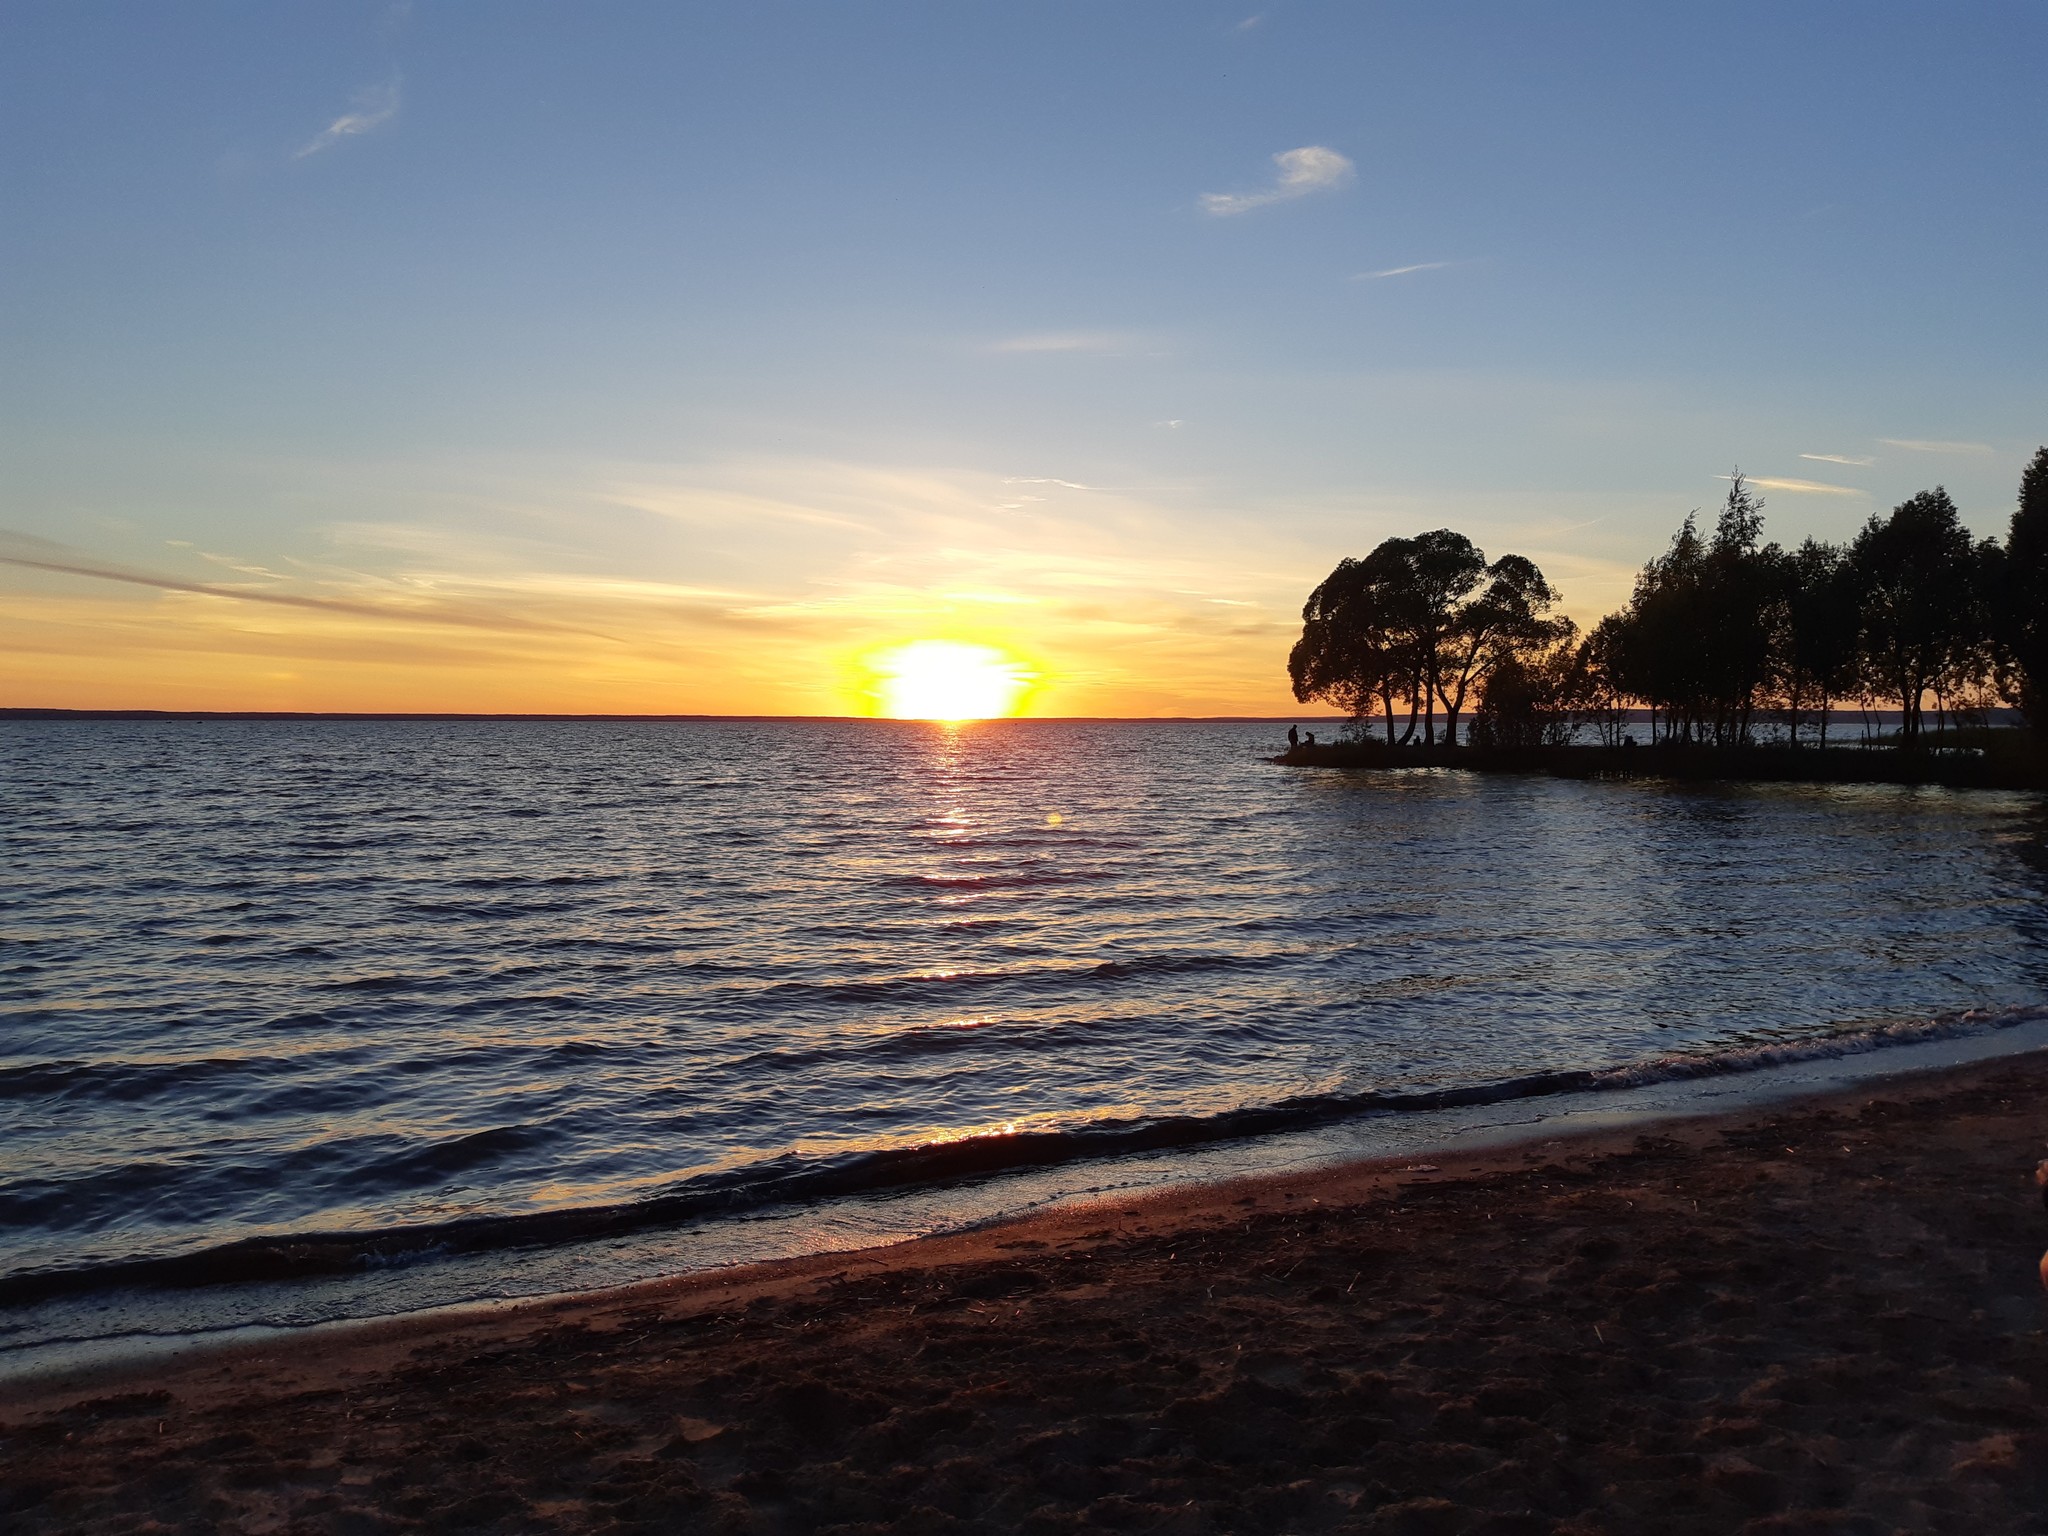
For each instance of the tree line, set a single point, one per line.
(1722, 632)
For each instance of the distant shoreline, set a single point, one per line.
(1777, 764)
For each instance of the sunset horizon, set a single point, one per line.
(337, 391)
(956, 768)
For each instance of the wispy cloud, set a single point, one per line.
(1312, 168)
(1250, 23)
(1837, 458)
(729, 586)
(1067, 341)
(36, 554)
(1928, 445)
(691, 504)
(1558, 530)
(1072, 485)
(373, 107)
(1804, 487)
(1420, 266)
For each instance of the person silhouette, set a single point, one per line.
(1293, 738)
(1311, 738)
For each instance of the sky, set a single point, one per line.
(678, 357)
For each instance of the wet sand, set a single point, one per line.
(1822, 1317)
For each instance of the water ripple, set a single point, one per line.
(289, 992)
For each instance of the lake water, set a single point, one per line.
(311, 1003)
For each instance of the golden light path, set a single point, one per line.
(949, 680)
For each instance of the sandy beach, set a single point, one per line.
(1822, 1317)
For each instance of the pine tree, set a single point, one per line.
(2023, 627)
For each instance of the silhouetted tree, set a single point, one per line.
(1444, 567)
(1923, 620)
(1718, 627)
(1507, 623)
(1595, 693)
(1357, 644)
(1816, 643)
(1653, 657)
(1529, 694)
(1422, 620)
(1970, 685)
(1695, 642)
(1742, 587)
(2022, 620)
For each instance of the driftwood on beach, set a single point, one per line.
(1956, 769)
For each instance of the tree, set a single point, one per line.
(2023, 598)
(1651, 654)
(1694, 642)
(1816, 643)
(1422, 620)
(1922, 611)
(1529, 696)
(1507, 624)
(1741, 583)
(1596, 694)
(1357, 639)
(1443, 569)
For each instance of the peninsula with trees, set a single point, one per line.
(1883, 660)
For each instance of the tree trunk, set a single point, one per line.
(1454, 702)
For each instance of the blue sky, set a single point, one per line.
(675, 356)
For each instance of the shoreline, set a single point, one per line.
(1936, 765)
(1455, 1256)
(1190, 1204)
(163, 1320)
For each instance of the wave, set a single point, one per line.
(794, 1178)
(64, 1080)
(486, 911)
(1006, 878)
(1042, 978)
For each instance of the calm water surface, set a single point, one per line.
(269, 979)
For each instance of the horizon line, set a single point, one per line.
(52, 712)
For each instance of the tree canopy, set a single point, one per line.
(1722, 631)
(2023, 627)
(1419, 622)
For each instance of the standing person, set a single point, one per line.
(1293, 738)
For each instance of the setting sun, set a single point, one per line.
(948, 680)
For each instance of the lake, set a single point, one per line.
(418, 1011)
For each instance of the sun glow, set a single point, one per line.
(949, 680)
